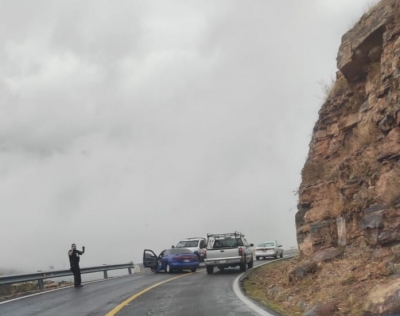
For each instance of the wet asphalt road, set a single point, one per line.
(194, 294)
(197, 294)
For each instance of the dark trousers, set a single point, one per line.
(77, 274)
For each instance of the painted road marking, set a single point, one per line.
(133, 297)
(66, 287)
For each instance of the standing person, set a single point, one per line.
(74, 256)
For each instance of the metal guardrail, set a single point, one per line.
(40, 276)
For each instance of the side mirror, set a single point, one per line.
(172, 246)
(251, 245)
(280, 246)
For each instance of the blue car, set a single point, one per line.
(174, 259)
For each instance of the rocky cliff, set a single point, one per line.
(350, 190)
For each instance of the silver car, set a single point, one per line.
(268, 249)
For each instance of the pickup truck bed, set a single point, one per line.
(228, 250)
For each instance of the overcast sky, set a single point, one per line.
(127, 125)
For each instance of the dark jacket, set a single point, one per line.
(74, 257)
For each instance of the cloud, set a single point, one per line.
(133, 125)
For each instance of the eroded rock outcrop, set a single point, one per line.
(350, 190)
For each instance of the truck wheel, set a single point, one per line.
(250, 264)
(210, 269)
(243, 266)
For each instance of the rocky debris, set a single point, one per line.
(273, 291)
(302, 271)
(383, 299)
(322, 309)
(326, 254)
(303, 305)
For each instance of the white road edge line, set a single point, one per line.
(238, 292)
(245, 299)
(63, 288)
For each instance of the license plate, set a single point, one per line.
(186, 260)
(222, 261)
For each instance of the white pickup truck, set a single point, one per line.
(228, 250)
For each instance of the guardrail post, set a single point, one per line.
(105, 274)
(130, 270)
(40, 283)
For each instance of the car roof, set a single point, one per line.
(192, 239)
(177, 248)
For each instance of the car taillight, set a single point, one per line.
(240, 251)
(176, 258)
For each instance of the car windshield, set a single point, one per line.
(227, 243)
(267, 244)
(180, 251)
(190, 243)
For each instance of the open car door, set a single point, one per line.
(150, 259)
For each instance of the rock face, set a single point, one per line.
(350, 190)
(383, 299)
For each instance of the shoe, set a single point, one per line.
(80, 285)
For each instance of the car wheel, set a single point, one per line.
(257, 258)
(210, 269)
(168, 269)
(282, 254)
(193, 270)
(243, 266)
(250, 264)
(276, 255)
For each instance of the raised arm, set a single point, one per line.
(81, 252)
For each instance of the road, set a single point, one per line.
(178, 294)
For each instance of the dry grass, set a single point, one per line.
(315, 172)
(345, 281)
(334, 87)
(371, 5)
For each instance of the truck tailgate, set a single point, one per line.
(217, 254)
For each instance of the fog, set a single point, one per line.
(133, 124)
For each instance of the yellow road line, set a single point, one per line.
(127, 301)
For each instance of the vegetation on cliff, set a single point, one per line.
(348, 219)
